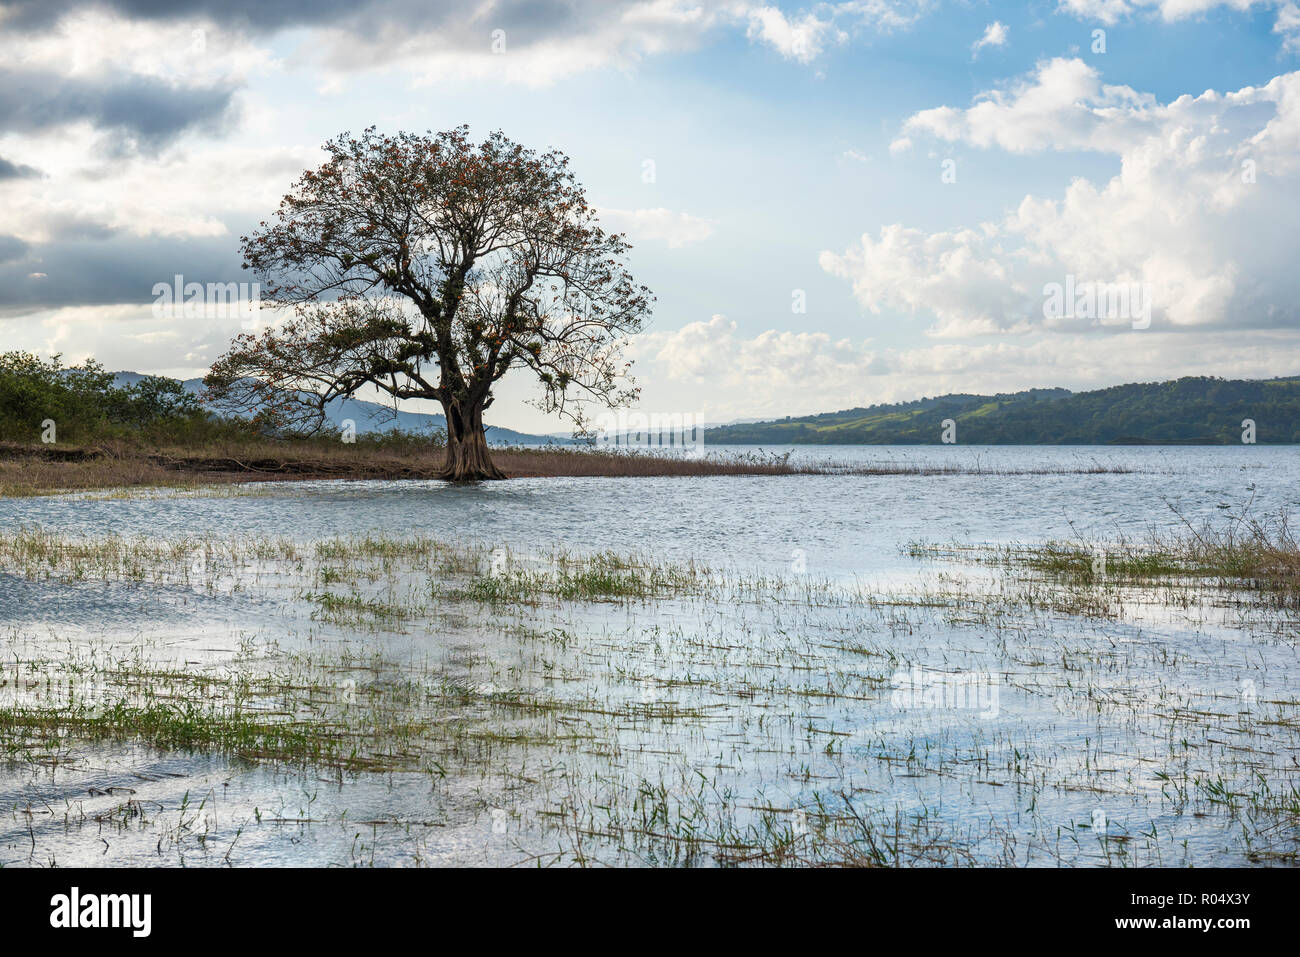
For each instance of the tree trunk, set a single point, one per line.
(468, 458)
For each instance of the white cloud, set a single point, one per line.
(1108, 12)
(805, 36)
(664, 225)
(459, 40)
(1063, 105)
(91, 43)
(995, 35)
(1111, 12)
(179, 192)
(1196, 210)
(1288, 26)
(709, 367)
(958, 276)
(802, 39)
(472, 41)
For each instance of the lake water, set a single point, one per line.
(844, 524)
(777, 703)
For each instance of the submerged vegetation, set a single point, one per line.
(608, 707)
(1262, 556)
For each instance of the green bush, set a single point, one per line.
(84, 402)
(86, 405)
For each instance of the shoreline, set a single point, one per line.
(51, 469)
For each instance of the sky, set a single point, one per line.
(835, 204)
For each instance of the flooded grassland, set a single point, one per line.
(329, 697)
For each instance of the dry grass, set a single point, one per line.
(521, 463)
(39, 469)
(36, 470)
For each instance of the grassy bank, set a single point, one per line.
(27, 469)
(37, 469)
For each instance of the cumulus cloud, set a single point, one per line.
(143, 84)
(74, 272)
(86, 196)
(1199, 210)
(1107, 11)
(528, 43)
(708, 366)
(514, 42)
(958, 276)
(701, 351)
(1062, 105)
(97, 105)
(1288, 26)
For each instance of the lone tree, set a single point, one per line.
(428, 267)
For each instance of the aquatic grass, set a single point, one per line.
(351, 607)
(188, 726)
(600, 577)
(622, 709)
(1263, 557)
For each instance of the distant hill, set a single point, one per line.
(1188, 411)
(373, 417)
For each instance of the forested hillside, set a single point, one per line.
(1197, 410)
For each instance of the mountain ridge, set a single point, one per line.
(1187, 411)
